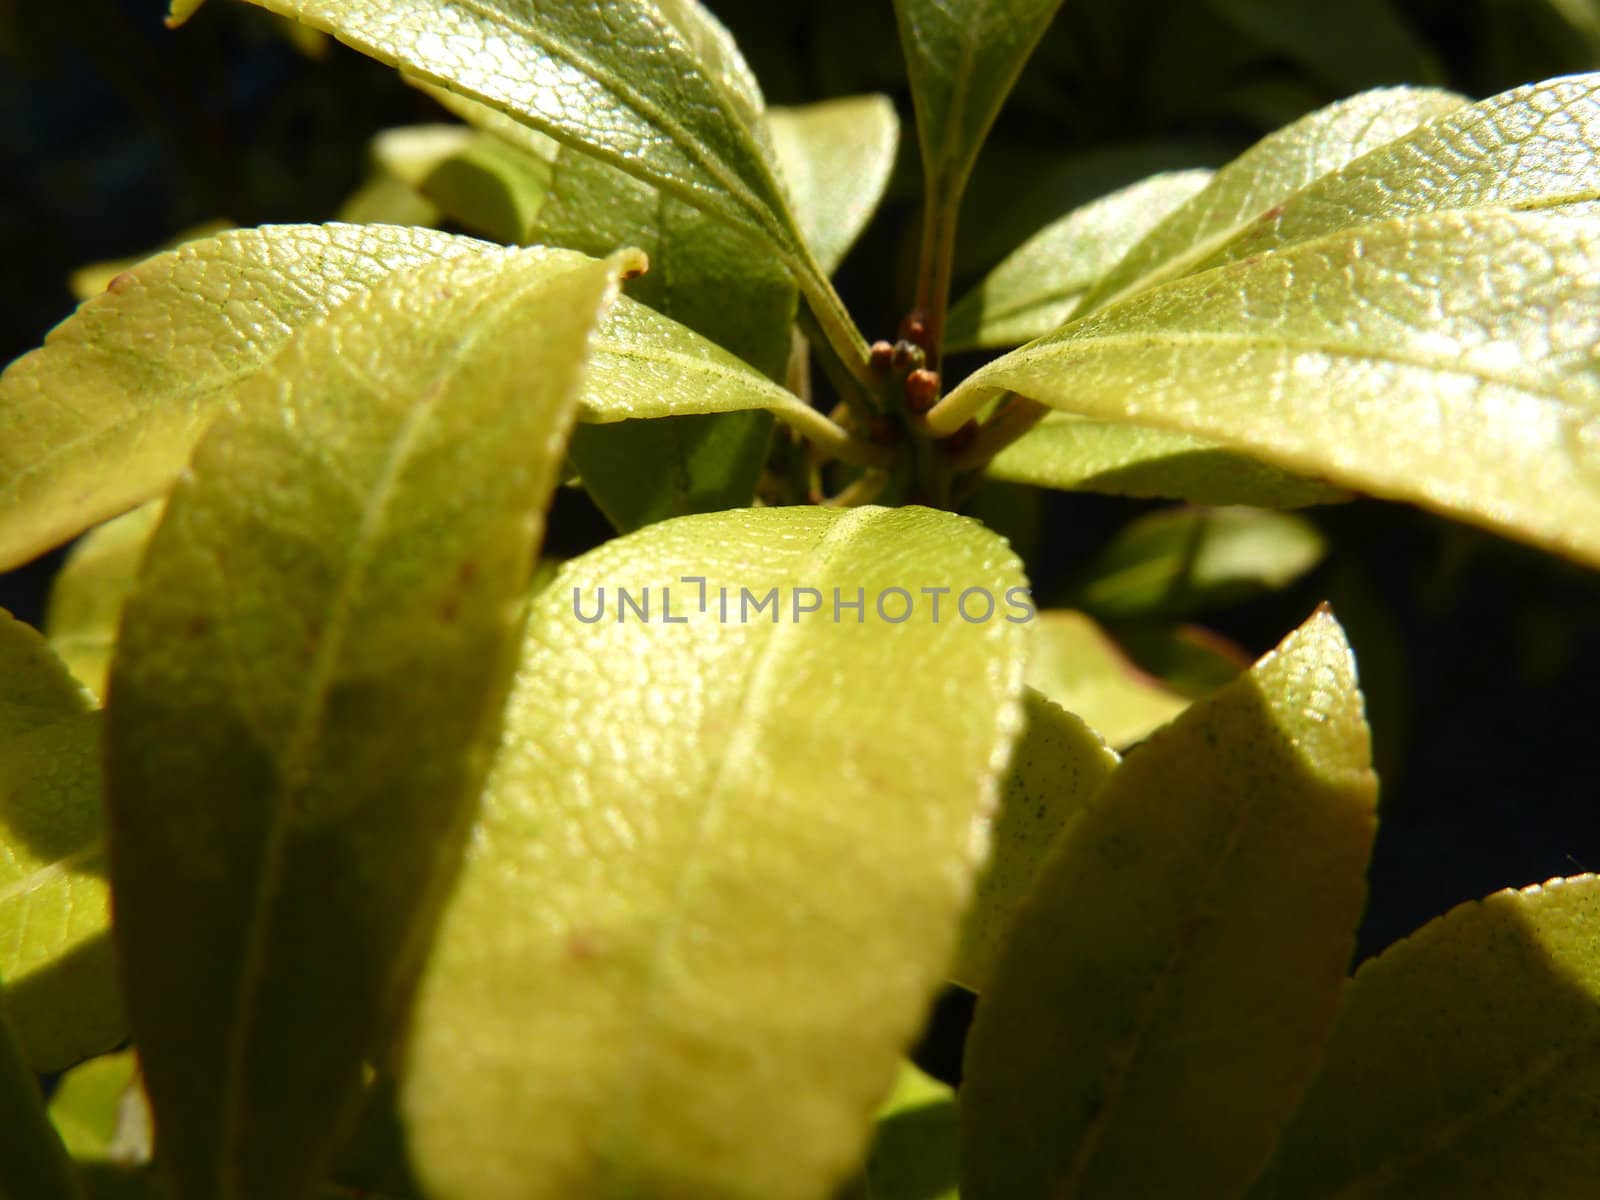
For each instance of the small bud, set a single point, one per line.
(914, 328)
(908, 356)
(880, 357)
(961, 440)
(922, 390)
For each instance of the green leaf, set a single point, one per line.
(135, 375)
(35, 1164)
(1161, 1004)
(655, 88)
(1464, 1062)
(1187, 560)
(683, 988)
(1038, 286)
(491, 188)
(1056, 768)
(1264, 176)
(87, 594)
(704, 275)
(1073, 454)
(36, 688)
(55, 944)
(307, 688)
(913, 1155)
(1448, 361)
(98, 1109)
(1077, 665)
(1536, 148)
(836, 158)
(962, 60)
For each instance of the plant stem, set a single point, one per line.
(832, 320)
(939, 216)
(1013, 418)
(859, 391)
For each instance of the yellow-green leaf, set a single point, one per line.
(1074, 454)
(1162, 1002)
(87, 594)
(836, 158)
(98, 1109)
(55, 943)
(135, 375)
(913, 1155)
(1267, 175)
(1465, 1061)
(1038, 286)
(36, 689)
(1446, 360)
(1185, 560)
(682, 988)
(307, 688)
(35, 1164)
(1076, 664)
(1056, 768)
(90, 280)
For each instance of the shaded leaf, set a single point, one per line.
(55, 945)
(1448, 361)
(1080, 667)
(1187, 560)
(87, 594)
(1057, 766)
(1038, 286)
(35, 1165)
(1187, 942)
(1353, 45)
(285, 799)
(1074, 454)
(36, 688)
(687, 989)
(836, 158)
(136, 374)
(1267, 175)
(913, 1155)
(491, 188)
(1465, 1061)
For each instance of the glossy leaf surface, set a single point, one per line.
(1446, 360)
(135, 375)
(683, 989)
(836, 158)
(1038, 286)
(1161, 1004)
(1075, 454)
(307, 690)
(1464, 1063)
(87, 594)
(1267, 175)
(1058, 765)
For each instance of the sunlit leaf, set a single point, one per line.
(1074, 454)
(1159, 1008)
(1536, 148)
(836, 158)
(683, 989)
(1464, 1061)
(1077, 664)
(306, 689)
(1264, 176)
(136, 374)
(98, 1108)
(35, 1165)
(1038, 286)
(1186, 560)
(87, 594)
(55, 946)
(1056, 768)
(89, 281)
(1448, 361)
(36, 688)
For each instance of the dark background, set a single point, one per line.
(1479, 658)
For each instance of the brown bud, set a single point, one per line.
(914, 328)
(908, 356)
(961, 440)
(922, 390)
(880, 357)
